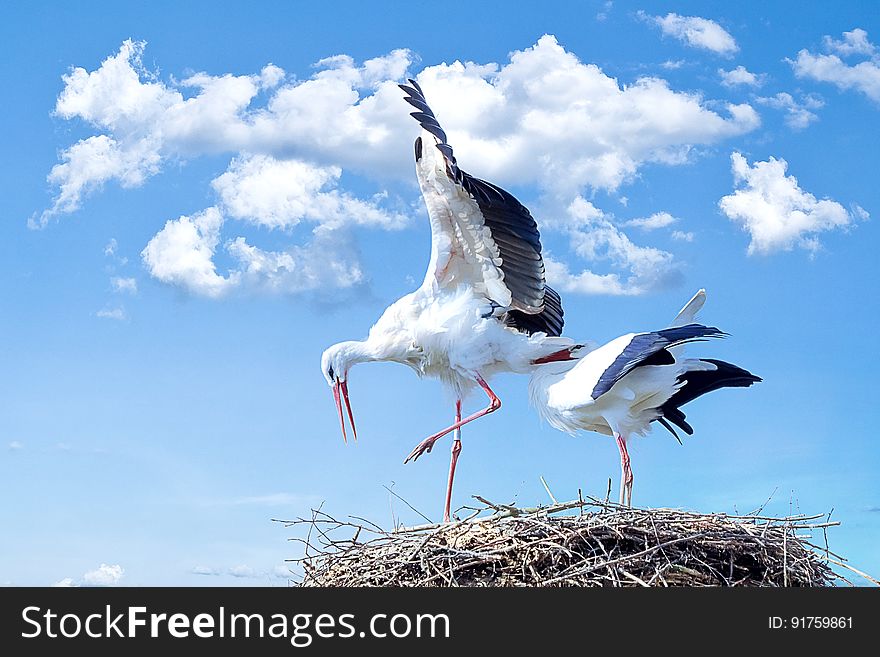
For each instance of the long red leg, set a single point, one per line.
(428, 443)
(456, 450)
(626, 475)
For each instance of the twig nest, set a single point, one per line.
(572, 544)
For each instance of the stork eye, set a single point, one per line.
(330, 372)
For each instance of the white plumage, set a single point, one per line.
(483, 306)
(620, 388)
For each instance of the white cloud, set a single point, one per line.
(740, 76)
(853, 43)
(594, 237)
(182, 254)
(695, 31)
(124, 284)
(354, 118)
(206, 570)
(103, 575)
(282, 193)
(798, 115)
(116, 313)
(655, 221)
(90, 163)
(682, 236)
(863, 76)
(673, 64)
(584, 128)
(604, 10)
(542, 118)
(15, 446)
(243, 571)
(775, 211)
(65, 583)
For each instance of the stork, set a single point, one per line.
(623, 386)
(483, 307)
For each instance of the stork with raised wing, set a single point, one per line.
(483, 307)
(625, 385)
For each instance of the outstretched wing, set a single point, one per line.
(651, 349)
(481, 234)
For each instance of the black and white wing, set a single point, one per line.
(649, 349)
(480, 234)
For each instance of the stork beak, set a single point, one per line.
(340, 393)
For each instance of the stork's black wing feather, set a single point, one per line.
(512, 226)
(650, 349)
(549, 321)
(699, 382)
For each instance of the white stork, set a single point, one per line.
(483, 307)
(623, 386)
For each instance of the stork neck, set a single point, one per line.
(366, 351)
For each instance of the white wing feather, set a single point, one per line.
(688, 314)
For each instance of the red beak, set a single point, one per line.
(342, 387)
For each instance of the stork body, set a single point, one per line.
(483, 307)
(623, 386)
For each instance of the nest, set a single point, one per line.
(579, 543)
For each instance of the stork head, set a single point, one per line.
(335, 363)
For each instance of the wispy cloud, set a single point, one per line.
(798, 114)
(243, 571)
(116, 313)
(123, 284)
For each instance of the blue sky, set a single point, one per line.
(194, 208)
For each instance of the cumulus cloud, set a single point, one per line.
(281, 193)
(853, 43)
(353, 117)
(776, 212)
(798, 114)
(541, 118)
(695, 32)
(103, 575)
(863, 76)
(595, 238)
(583, 127)
(740, 76)
(182, 254)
